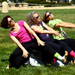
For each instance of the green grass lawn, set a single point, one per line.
(7, 46)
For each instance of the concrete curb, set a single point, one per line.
(39, 8)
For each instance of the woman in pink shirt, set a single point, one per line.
(21, 34)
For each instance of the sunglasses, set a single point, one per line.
(48, 15)
(11, 20)
(37, 16)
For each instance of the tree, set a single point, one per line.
(42, 0)
(51, 0)
(2, 0)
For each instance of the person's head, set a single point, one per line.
(47, 16)
(6, 22)
(33, 18)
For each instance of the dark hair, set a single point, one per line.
(4, 22)
(44, 17)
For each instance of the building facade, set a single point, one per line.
(65, 0)
(60, 1)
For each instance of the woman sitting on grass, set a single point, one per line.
(21, 34)
(44, 32)
(57, 24)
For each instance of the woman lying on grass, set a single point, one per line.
(21, 34)
(44, 32)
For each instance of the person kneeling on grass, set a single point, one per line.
(21, 34)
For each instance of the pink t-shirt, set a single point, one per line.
(22, 35)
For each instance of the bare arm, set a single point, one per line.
(48, 28)
(34, 34)
(65, 24)
(49, 31)
(52, 30)
(37, 30)
(25, 53)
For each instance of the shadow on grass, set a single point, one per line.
(3, 60)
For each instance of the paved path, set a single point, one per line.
(39, 8)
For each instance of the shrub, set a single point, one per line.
(16, 5)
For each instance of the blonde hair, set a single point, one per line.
(30, 18)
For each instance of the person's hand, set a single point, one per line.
(59, 35)
(56, 33)
(25, 54)
(40, 43)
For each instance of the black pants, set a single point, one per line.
(58, 45)
(16, 59)
(70, 43)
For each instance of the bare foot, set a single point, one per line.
(74, 60)
(64, 60)
(66, 54)
(7, 66)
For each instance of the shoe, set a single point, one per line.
(59, 63)
(34, 62)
